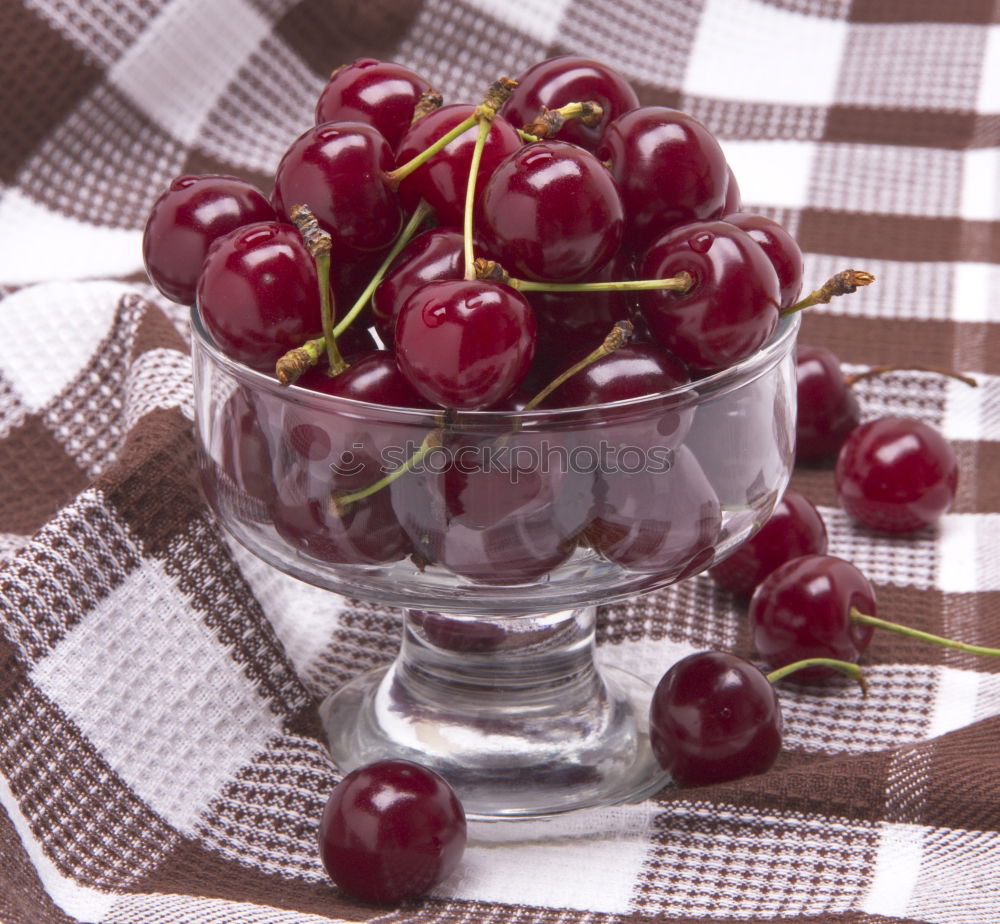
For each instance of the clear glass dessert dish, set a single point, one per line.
(497, 533)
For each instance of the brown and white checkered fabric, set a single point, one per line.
(159, 759)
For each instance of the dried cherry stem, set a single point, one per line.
(845, 667)
(340, 500)
(618, 336)
(494, 99)
(549, 121)
(318, 242)
(850, 380)
(494, 272)
(866, 620)
(485, 124)
(844, 283)
(295, 362)
(429, 101)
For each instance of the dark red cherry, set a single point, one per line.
(373, 377)
(443, 179)
(731, 308)
(338, 169)
(551, 211)
(802, 610)
(734, 202)
(246, 458)
(827, 408)
(431, 256)
(465, 344)
(570, 79)
(714, 717)
(669, 169)
(781, 250)
(258, 294)
(896, 475)
(795, 528)
(192, 213)
(391, 831)
(660, 519)
(379, 93)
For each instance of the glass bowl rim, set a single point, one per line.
(743, 372)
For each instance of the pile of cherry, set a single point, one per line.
(559, 181)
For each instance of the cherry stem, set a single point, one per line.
(618, 336)
(492, 271)
(850, 380)
(295, 362)
(485, 124)
(549, 121)
(429, 101)
(319, 243)
(845, 667)
(341, 501)
(866, 620)
(494, 99)
(844, 283)
(527, 137)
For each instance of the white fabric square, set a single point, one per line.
(538, 19)
(897, 867)
(989, 79)
(176, 70)
(561, 863)
(981, 183)
(973, 292)
(745, 49)
(73, 249)
(54, 319)
(772, 173)
(160, 698)
(973, 413)
(969, 549)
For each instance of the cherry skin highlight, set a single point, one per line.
(896, 475)
(186, 219)
(391, 831)
(802, 610)
(795, 528)
(714, 717)
(382, 94)
(465, 344)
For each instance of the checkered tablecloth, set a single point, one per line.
(159, 757)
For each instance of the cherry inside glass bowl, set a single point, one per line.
(498, 534)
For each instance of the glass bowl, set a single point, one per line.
(497, 533)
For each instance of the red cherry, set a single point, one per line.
(258, 294)
(714, 717)
(551, 211)
(827, 408)
(795, 528)
(731, 308)
(338, 169)
(465, 344)
(379, 93)
(669, 169)
(896, 475)
(781, 249)
(802, 610)
(733, 200)
(373, 377)
(570, 79)
(443, 179)
(194, 212)
(391, 831)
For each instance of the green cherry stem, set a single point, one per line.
(318, 242)
(293, 363)
(844, 283)
(494, 99)
(485, 124)
(340, 500)
(866, 620)
(845, 667)
(494, 272)
(549, 121)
